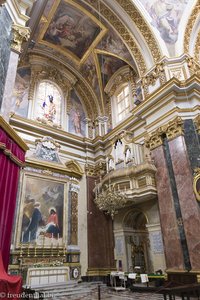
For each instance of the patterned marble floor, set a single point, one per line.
(109, 294)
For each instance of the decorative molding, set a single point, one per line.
(197, 48)
(193, 66)
(122, 31)
(139, 21)
(153, 75)
(13, 134)
(154, 140)
(196, 183)
(74, 219)
(189, 27)
(174, 128)
(74, 168)
(19, 35)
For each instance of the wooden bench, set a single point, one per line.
(184, 291)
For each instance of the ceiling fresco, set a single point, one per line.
(71, 30)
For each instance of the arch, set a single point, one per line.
(48, 102)
(135, 219)
(189, 33)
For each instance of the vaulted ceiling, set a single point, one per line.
(95, 39)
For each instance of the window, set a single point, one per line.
(48, 103)
(123, 103)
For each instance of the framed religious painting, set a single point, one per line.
(42, 213)
(196, 185)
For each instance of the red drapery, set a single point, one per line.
(11, 158)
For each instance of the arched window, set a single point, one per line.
(48, 103)
(121, 104)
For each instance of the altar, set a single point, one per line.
(47, 275)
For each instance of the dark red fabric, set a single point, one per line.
(10, 286)
(11, 157)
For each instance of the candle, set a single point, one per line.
(29, 236)
(58, 236)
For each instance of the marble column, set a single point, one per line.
(171, 238)
(5, 38)
(100, 236)
(73, 228)
(188, 203)
(19, 34)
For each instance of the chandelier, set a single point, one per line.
(109, 199)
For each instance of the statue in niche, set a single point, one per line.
(128, 155)
(110, 164)
(49, 109)
(119, 155)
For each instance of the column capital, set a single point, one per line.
(20, 34)
(174, 128)
(154, 139)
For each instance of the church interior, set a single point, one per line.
(99, 139)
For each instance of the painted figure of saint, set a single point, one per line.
(49, 109)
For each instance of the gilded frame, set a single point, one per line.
(37, 186)
(196, 186)
(47, 22)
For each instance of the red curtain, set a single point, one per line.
(12, 157)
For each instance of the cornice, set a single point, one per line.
(13, 134)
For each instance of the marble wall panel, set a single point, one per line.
(192, 143)
(188, 204)
(171, 238)
(100, 234)
(5, 37)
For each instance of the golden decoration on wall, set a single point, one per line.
(196, 183)
(19, 34)
(190, 26)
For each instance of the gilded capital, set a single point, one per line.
(154, 140)
(174, 128)
(197, 123)
(19, 34)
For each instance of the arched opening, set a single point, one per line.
(48, 103)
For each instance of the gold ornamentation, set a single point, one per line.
(109, 199)
(190, 25)
(154, 140)
(193, 66)
(180, 222)
(74, 168)
(196, 183)
(123, 32)
(151, 78)
(197, 123)
(90, 170)
(20, 34)
(74, 219)
(174, 128)
(139, 21)
(197, 48)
